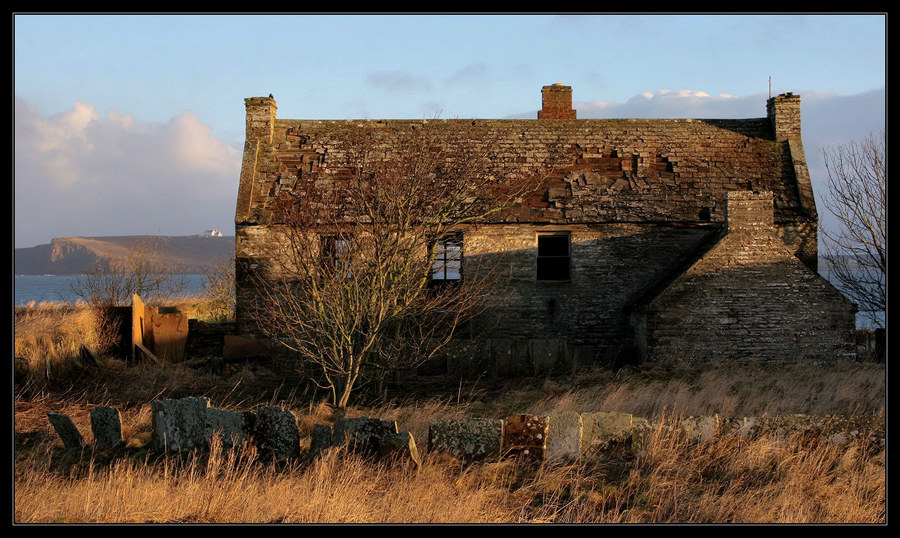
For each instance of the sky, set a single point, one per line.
(134, 124)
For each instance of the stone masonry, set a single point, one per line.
(189, 424)
(748, 298)
(685, 239)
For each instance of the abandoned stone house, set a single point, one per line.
(654, 239)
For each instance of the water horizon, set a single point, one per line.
(58, 288)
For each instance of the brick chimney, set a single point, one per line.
(556, 103)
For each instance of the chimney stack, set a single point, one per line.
(784, 115)
(556, 103)
(261, 114)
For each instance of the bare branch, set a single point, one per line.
(856, 249)
(349, 284)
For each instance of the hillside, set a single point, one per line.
(74, 255)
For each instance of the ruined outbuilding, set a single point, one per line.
(652, 239)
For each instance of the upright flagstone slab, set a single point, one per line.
(369, 436)
(276, 433)
(179, 424)
(363, 434)
(321, 439)
(106, 425)
(400, 447)
(641, 433)
(229, 426)
(525, 436)
(66, 430)
(602, 429)
(741, 426)
(564, 436)
(468, 439)
(700, 428)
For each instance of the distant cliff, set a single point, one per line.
(74, 255)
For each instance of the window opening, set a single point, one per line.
(336, 254)
(447, 264)
(554, 256)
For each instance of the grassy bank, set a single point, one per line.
(800, 479)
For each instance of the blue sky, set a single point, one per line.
(134, 124)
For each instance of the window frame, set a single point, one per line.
(442, 242)
(332, 257)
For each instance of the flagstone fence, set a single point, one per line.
(190, 424)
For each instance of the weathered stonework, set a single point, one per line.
(179, 425)
(748, 298)
(564, 436)
(400, 447)
(106, 425)
(604, 429)
(229, 426)
(526, 436)
(66, 430)
(689, 239)
(190, 424)
(363, 434)
(276, 433)
(468, 439)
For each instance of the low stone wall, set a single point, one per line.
(190, 424)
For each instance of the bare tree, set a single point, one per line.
(856, 249)
(368, 274)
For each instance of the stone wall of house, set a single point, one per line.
(638, 198)
(748, 298)
(610, 266)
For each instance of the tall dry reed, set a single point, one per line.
(729, 390)
(724, 480)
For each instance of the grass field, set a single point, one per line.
(799, 479)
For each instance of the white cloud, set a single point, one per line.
(676, 104)
(80, 173)
(470, 73)
(397, 81)
(196, 149)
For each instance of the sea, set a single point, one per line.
(58, 288)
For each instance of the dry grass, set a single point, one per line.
(798, 480)
(49, 337)
(726, 479)
(730, 390)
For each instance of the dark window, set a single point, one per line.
(553, 257)
(447, 264)
(336, 254)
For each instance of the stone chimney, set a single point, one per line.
(261, 113)
(556, 103)
(750, 212)
(784, 116)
